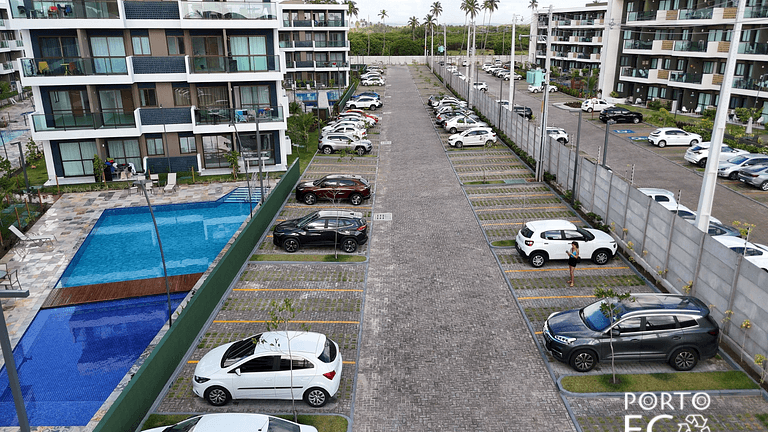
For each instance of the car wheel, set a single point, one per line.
(217, 396)
(601, 256)
(309, 198)
(635, 120)
(703, 162)
(349, 245)
(327, 150)
(356, 199)
(489, 143)
(734, 176)
(764, 186)
(453, 130)
(360, 151)
(459, 144)
(316, 397)
(538, 259)
(662, 143)
(694, 142)
(353, 106)
(583, 361)
(561, 140)
(589, 110)
(291, 245)
(684, 359)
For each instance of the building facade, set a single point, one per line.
(11, 48)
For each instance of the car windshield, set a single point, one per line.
(737, 160)
(280, 425)
(185, 426)
(306, 219)
(697, 148)
(594, 317)
(526, 232)
(240, 350)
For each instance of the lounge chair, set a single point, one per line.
(170, 185)
(11, 281)
(31, 240)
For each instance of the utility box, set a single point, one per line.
(535, 77)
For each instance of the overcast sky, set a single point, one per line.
(399, 11)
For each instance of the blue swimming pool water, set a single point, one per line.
(10, 135)
(123, 245)
(70, 359)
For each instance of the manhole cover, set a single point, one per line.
(382, 216)
(385, 142)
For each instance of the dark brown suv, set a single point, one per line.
(334, 187)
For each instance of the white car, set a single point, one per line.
(357, 124)
(370, 75)
(482, 86)
(259, 367)
(544, 240)
(558, 134)
(699, 154)
(373, 82)
(487, 66)
(684, 212)
(460, 123)
(348, 130)
(539, 89)
(663, 137)
(731, 167)
(364, 102)
(234, 422)
(595, 104)
(451, 68)
(660, 195)
(478, 136)
(755, 253)
(354, 116)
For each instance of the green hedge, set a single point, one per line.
(138, 396)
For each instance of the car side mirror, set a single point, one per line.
(615, 332)
(237, 371)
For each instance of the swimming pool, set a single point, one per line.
(123, 246)
(70, 359)
(10, 135)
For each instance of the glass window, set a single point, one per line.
(709, 67)
(553, 235)
(111, 51)
(155, 146)
(249, 52)
(77, 157)
(176, 45)
(630, 325)
(58, 47)
(148, 97)
(259, 364)
(660, 323)
(212, 97)
(215, 149)
(187, 144)
(573, 235)
(686, 321)
(667, 64)
(141, 45)
(124, 151)
(740, 68)
(654, 63)
(181, 96)
(296, 364)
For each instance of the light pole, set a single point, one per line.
(605, 143)
(140, 184)
(245, 163)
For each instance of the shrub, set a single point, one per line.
(709, 113)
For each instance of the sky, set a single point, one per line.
(399, 11)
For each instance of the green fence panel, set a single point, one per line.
(138, 396)
(347, 94)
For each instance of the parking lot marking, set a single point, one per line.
(623, 131)
(519, 223)
(297, 289)
(554, 297)
(297, 322)
(521, 208)
(563, 269)
(513, 195)
(639, 138)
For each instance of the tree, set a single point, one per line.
(490, 6)
(429, 26)
(436, 9)
(533, 5)
(382, 15)
(352, 9)
(233, 157)
(612, 308)
(464, 7)
(413, 22)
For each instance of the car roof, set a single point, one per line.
(731, 241)
(477, 128)
(343, 176)
(546, 225)
(339, 213)
(308, 343)
(645, 302)
(675, 207)
(232, 422)
(656, 191)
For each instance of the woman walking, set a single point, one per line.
(573, 259)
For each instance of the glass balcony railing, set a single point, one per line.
(329, 23)
(41, 67)
(286, 44)
(331, 64)
(4, 44)
(233, 64)
(303, 44)
(228, 10)
(753, 48)
(638, 44)
(8, 66)
(304, 64)
(688, 14)
(77, 9)
(302, 23)
(247, 114)
(756, 12)
(331, 44)
(634, 72)
(684, 77)
(691, 46)
(73, 120)
(641, 16)
(19, 43)
(749, 84)
(2, 23)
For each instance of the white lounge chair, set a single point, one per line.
(11, 281)
(31, 240)
(170, 185)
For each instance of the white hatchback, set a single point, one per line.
(259, 367)
(460, 123)
(234, 422)
(473, 137)
(755, 253)
(699, 154)
(663, 137)
(544, 240)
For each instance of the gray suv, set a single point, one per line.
(650, 327)
(338, 142)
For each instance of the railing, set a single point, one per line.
(331, 44)
(73, 66)
(634, 72)
(331, 64)
(583, 39)
(749, 84)
(68, 120)
(286, 44)
(563, 22)
(303, 44)
(756, 12)
(228, 10)
(260, 113)
(641, 16)
(302, 23)
(9, 66)
(330, 23)
(583, 56)
(2, 23)
(587, 22)
(4, 44)
(753, 48)
(19, 43)
(691, 46)
(685, 77)
(235, 63)
(77, 9)
(304, 64)
(686, 14)
(638, 44)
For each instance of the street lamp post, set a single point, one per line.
(141, 184)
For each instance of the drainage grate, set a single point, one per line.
(382, 216)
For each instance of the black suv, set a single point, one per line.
(322, 228)
(650, 327)
(334, 187)
(524, 111)
(620, 115)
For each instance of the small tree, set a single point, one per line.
(611, 308)
(233, 158)
(746, 325)
(760, 362)
(98, 167)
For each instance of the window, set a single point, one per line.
(620, 87)
(124, 151)
(53, 47)
(740, 69)
(77, 157)
(175, 45)
(249, 52)
(667, 64)
(141, 45)
(663, 322)
(155, 146)
(148, 97)
(111, 51)
(708, 67)
(680, 64)
(686, 321)
(259, 364)
(212, 97)
(298, 363)
(181, 96)
(215, 149)
(553, 235)
(187, 144)
(573, 235)
(630, 325)
(654, 63)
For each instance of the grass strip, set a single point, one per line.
(503, 243)
(484, 182)
(307, 257)
(323, 423)
(678, 381)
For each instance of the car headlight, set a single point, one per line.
(563, 339)
(201, 380)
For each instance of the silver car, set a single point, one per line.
(732, 166)
(460, 123)
(756, 176)
(337, 142)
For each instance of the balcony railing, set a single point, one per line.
(70, 120)
(302, 44)
(330, 23)
(8, 66)
(304, 64)
(685, 77)
(235, 63)
(2, 23)
(638, 44)
(19, 43)
(691, 46)
(331, 64)
(4, 44)
(301, 23)
(312, 23)
(209, 10)
(634, 72)
(756, 12)
(41, 67)
(252, 114)
(72, 9)
(286, 44)
(563, 22)
(749, 84)
(583, 39)
(641, 16)
(687, 14)
(753, 48)
(331, 44)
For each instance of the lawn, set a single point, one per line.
(679, 381)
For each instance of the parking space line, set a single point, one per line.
(521, 208)
(297, 289)
(293, 321)
(563, 269)
(513, 196)
(519, 223)
(554, 297)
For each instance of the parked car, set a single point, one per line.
(716, 229)
(558, 134)
(464, 63)
(234, 422)
(367, 93)
(448, 107)
(523, 111)
(659, 195)
(756, 176)
(350, 115)
(487, 66)
(504, 75)
(344, 229)
(460, 123)
(361, 113)
(447, 99)
(364, 102)
(663, 137)
(443, 117)
(258, 367)
(335, 187)
(337, 142)
(732, 166)
(370, 75)
(373, 82)
(595, 104)
(755, 253)
(544, 240)
(518, 77)
(345, 121)
(684, 212)
(672, 328)
(699, 153)
(620, 115)
(539, 89)
(477, 136)
(346, 129)
(482, 86)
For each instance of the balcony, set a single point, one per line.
(303, 44)
(311, 23)
(634, 72)
(72, 120)
(225, 116)
(7, 67)
(638, 44)
(331, 44)
(54, 67)
(749, 84)
(563, 22)
(234, 64)
(756, 12)
(331, 64)
(753, 48)
(691, 46)
(241, 10)
(690, 14)
(77, 9)
(684, 77)
(641, 16)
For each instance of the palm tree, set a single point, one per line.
(533, 4)
(436, 9)
(352, 8)
(472, 9)
(413, 22)
(382, 15)
(490, 6)
(429, 25)
(463, 7)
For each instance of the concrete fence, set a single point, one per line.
(679, 256)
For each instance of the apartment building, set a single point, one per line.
(11, 48)
(163, 86)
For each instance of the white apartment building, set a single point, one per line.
(11, 48)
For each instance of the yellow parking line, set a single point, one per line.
(564, 269)
(554, 297)
(513, 196)
(538, 333)
(521, 208)
(298, 322)
(296, 289)
(193, 361)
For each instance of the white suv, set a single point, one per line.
(544, 240)
(699, 154)
(595, 104)
(364, 102)
(482, 86)
(558, 134)
(473, 137)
